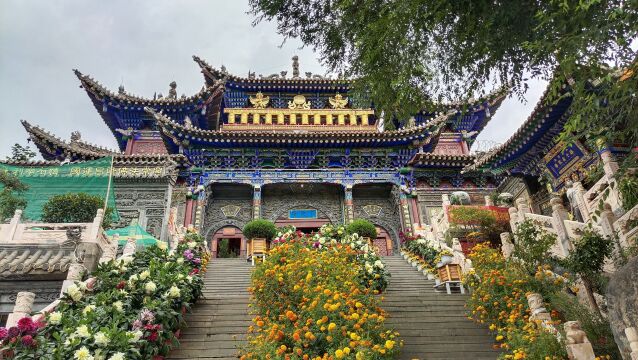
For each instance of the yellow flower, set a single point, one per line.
(389, 344)
(339, 354)
(332, 326)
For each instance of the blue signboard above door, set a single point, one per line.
(302, 214)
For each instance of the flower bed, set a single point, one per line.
(131, 308)
(499, 300)
(424, 254)
(311, 301)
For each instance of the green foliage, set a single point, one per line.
(363, 228)
(628, 187)
(407, 54)
(75, 208)
(597, 327)
(260, 228)
(588, 257)
(10, 195)
(21, 153)
(465, 219)
(533, 246)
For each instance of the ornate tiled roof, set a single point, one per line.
(521, 152)
(20, 260)
(53, 148)
(441, 160)
(123, 111)
(176, 135)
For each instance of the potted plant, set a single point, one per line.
(363, 228)
(259, 232)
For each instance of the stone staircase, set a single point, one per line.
(432, 325)
(220, 319)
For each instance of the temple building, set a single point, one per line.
(296, 150)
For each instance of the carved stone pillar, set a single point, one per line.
(188, 213)
(537, 308)
(578, 345)
(507, 247)
(129, 247)
(349, 206)
(109, 252)
(445, 200)
(22, 308)
(609, 164)
(632, 336)
(256, 202)
(559, 215)
(514, 219)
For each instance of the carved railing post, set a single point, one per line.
(9, 231)
(632, 336)
(609, 164)
(22, 308)
(73, 274)
(445, 200)
(110, 251)
(578, 345)
(507, 247)
(130, 246)
(514, 218)
(579, 192)
(523, 206)
(559, 215)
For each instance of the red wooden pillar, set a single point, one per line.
(188, 213)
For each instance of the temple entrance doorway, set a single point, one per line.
(383, 242)
(228, 242)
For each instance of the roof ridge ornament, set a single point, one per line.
(259, 101)
(299, 103)
(338, 101)
(295, 67)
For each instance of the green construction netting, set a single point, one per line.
(91, 177)
(142, 238)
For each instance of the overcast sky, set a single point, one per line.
(144, 45)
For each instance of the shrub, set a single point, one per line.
(134, 308)
(307, 306)
(10, 195)
(75, 208)
(628, 187)
(363, 228)
(533, 245)
(260, 228)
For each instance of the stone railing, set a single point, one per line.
(90, 245)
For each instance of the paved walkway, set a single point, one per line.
(220, 318)
(432, 325)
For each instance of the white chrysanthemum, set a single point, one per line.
(150, 287)
(162, 245)
(117, 356)
(87, 309)
(74, 292)
(83, 354)
(127, 259)
(55, 317)
(119, 306)
(191, 244)
(82, 331)
(101, 339)
(133, 278)
(180, 260)
(145, 274)
(189, 279)
(174, 292)
(135, 335)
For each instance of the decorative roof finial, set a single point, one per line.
(76, 136)
(295, 67)
(172, 93)
(120, 90)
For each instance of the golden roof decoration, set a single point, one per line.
(299, 103)
(338, 102)
(259, 101)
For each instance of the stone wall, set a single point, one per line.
(147, 202)
(227, 205)
(380, 205)
(622, 302)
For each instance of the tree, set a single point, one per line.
(408, 53)
(11, 195)
(74, 208)
(21, 153)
